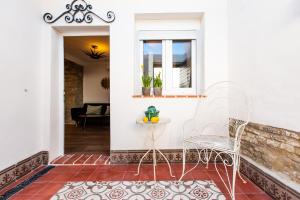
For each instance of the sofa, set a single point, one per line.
(81, 117)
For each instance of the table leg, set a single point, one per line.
(154, 152)
(138, 172)
(166, 159)
(154, 164)
(84, 123)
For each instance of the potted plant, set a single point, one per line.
(146, 79)
(157, 85)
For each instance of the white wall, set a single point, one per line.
(125, 134)
(93, 73)
(264, 58)
(20, 81)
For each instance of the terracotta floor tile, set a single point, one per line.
(41, 197)
(31, 189)
(61, 178)
(51, 188)
(242, 197)
(62, 159)
(92, 159)
(249, 188)
(102, 160)
(258, 196)
(132, 167)
(46, 178)
(200, 175)
(89, 169)
(21, 197)
(82, 159)
(130, 176)
(146, 177)
(122, 168)
(69, 169)
(188, 176)
(79, 177)
(163, 173)
(50, 183)
(115, 176)
(73, 159)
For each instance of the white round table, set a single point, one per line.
(154, 149)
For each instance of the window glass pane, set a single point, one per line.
(152, 58)
(182, 69)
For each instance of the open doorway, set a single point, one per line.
(86, 95)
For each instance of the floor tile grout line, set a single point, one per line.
(68, 159)
(88, 158)
(56, 159)
(78, 159)
(97, 159)
(105, 163)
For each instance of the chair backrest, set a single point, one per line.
(225, 109)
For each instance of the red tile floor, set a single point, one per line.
(50, 183)
(82, 159)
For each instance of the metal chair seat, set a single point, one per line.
(218, 143)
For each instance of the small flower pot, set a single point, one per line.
(157, 91)
(146, 91)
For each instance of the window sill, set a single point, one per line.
(169, 96)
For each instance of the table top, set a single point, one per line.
(160, 122)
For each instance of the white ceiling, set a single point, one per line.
(74, 45)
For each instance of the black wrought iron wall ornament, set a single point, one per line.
(79, 11)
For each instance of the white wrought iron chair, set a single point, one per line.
(223, 113)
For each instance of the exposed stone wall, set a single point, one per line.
(73, 88)
(276, 148)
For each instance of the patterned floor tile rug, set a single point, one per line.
(140, 190)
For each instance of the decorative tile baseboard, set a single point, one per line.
(275, 188)
(20, 169)
(272, 186)
(134, 156)
(7, 194)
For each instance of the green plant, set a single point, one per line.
(146, 79)
(157, 82)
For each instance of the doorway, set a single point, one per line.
(86, 95)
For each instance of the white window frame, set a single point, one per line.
(167, 37)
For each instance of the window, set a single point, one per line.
(182, 64)
(174, 59)
(152, 57)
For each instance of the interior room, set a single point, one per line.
(86, 94)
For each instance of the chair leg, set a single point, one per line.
(207, 157)
(238, 170)
(229, 185)
(194, 167)
(234, 171)
(183, 163)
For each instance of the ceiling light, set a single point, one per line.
(94, 54)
